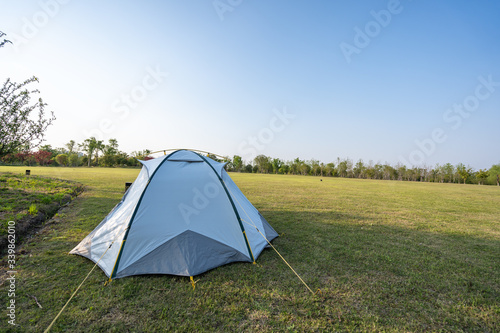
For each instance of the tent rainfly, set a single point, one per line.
(183, 215)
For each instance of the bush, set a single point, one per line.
(74, 160)
(62, 159)
(132, 161)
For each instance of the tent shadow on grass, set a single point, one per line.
(387, 271)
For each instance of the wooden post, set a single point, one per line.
(127, 185)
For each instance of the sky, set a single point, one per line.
(411, 82)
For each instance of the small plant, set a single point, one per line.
(46, 200)
(7, 208)
(58, 197)
(33, 210)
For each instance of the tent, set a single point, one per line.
(183, 215)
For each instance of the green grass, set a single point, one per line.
(22, 195)
(388, 256)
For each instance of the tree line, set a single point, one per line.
(445, 173)
(93, 152)
(90, 152)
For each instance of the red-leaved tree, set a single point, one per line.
(43, 157)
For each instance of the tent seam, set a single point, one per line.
(234, 208)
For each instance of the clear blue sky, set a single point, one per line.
(326, 79)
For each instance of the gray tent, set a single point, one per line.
(183, 215)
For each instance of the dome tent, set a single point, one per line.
(183, 215)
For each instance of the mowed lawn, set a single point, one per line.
(386, 256)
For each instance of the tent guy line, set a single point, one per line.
(74, 293)
(271, 245)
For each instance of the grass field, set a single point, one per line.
(387, 256)
(28, 199)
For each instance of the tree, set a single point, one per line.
(73, 159)
(494, 177)
(449, 173)
(237, 163)
(284, 169)
(71, 145)
(214, 157)
(343, 167)
(49, 149)
(316, 168)
(482, 175)
(263, 164)
(305, 169)
(227, 161)
(112, 147)
(438, 173)
(388, 172)
(359, 169)
(330, 169)
(25, 157)
(62, 159)
(89, 146)
(295, 166)
(402, 171)
(4, 41)
(99, 147)
(43, 157)
(464, 172)
(276, 164)
(109, 153)
(142, 155)
(121, 158)
(379, 171)
(19, 126)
